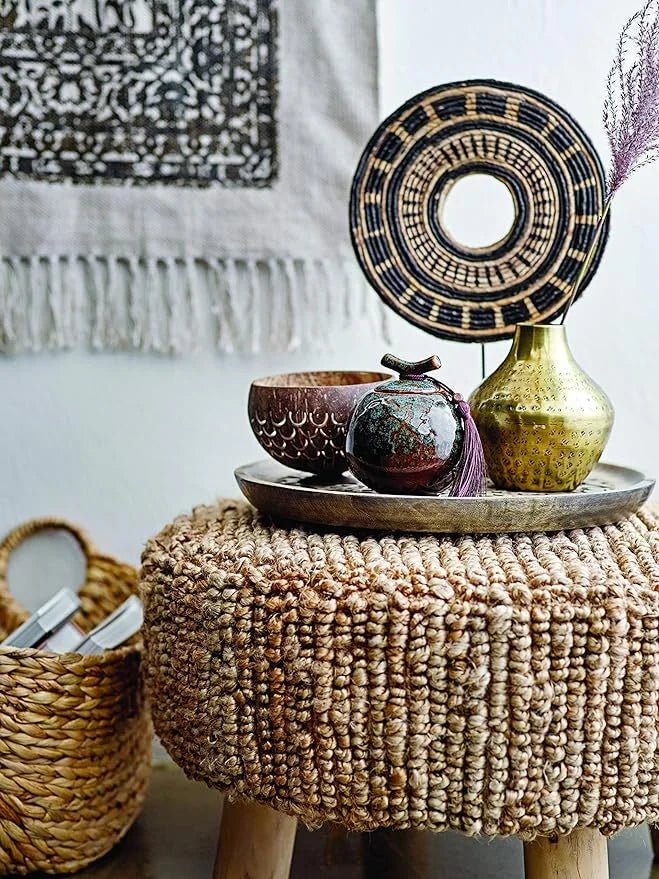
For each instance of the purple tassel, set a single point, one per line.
(470, 471)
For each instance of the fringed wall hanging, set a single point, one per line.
(168, 166)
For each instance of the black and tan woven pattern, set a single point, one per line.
(496, 685)
(519, 136)
(75, 731)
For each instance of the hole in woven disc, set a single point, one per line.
(43, 564)
(478, 211)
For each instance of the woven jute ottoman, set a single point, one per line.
(496, 685)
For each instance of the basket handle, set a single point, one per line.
(17, 535)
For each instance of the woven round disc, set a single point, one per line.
(520, 137)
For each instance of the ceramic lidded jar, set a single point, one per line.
(406, 436)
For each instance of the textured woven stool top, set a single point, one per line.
(498, 685)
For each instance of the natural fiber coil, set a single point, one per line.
(496, 685)
(528, 143)
(75, 732)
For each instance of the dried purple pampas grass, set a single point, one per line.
(631, 113)
(631, 108)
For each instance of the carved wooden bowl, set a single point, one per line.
(301, 418)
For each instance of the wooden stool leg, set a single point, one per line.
(397, 854)
(255, 843)
(581, 855)
(654, 833)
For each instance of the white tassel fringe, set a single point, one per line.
(169, 305)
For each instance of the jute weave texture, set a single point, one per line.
(75, 731)
(497, 685)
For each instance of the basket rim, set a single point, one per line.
(111, 655)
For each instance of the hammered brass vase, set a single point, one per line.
(543, 422)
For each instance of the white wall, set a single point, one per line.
(122, 443)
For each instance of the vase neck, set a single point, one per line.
(540, 341)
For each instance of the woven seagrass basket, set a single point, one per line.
(75, 731)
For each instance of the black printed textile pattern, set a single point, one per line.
(139, 91)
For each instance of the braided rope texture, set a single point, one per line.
(495, 685)
(75, 732)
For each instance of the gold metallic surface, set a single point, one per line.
(544, 422)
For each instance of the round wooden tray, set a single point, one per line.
(609, 494)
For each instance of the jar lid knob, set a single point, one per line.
(409, 369)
